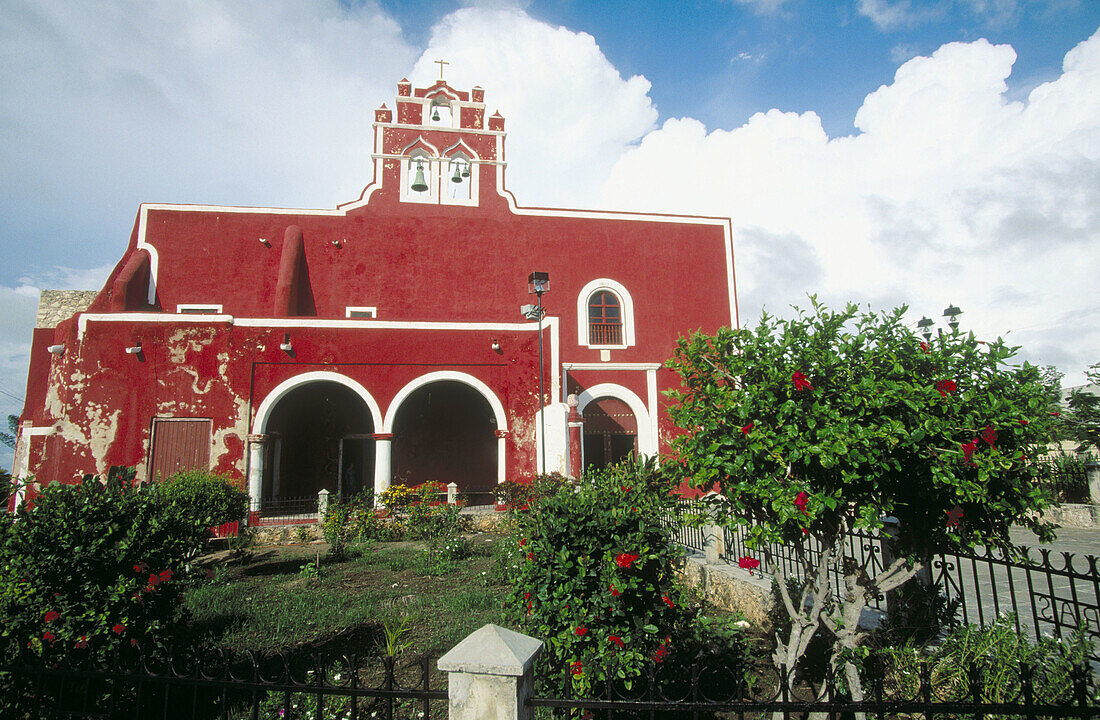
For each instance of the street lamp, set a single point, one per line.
(952, 313)
(539, 283)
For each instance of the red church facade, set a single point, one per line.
(381, 341)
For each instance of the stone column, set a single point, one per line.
(490, 675)
(576, 425)
(383, 442)
(1092, 474)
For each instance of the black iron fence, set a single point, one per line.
(1065, 477)
(1048, 593)
(893, 686)
(264, 512)
(222, 685)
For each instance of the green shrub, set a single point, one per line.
(93, 566)
(517, 494)
(996, 652)
(351, 520)
(203, 498)
(591, 575)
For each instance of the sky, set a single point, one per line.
(884, 152)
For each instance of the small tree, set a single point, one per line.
(832, 421)
(1082, 421)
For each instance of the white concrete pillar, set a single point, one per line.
(490, 675)
(383, 445)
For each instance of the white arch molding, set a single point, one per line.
(382, 475)
(263, 415)
(647, 438)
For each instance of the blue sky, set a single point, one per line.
(879, 151)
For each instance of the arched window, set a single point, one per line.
(605, 319)
(605, 315)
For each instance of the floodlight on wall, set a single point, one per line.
(265, 242)
(951, 312)
(337, 244)
(285, 345)
(135, 350)
(496, 345)
(56, 349)
(925, 325)
(531, 312)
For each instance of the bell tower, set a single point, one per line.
(436, 147)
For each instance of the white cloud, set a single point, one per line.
(888, 15)
(763, 7)
(949, 194)
(568, 112)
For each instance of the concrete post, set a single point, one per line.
(490, 675)
(576, 423)
(322, 504)
(1092, 474)
(452, 493)
(714, 543)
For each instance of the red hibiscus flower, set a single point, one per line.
(668, 602)
(577, 668)
(530, 607)
(1024, 422)
(746, 429)
(165, 575)
(580, 630)
(946, 387)
(1056, 414)
(141, 567)
(800, 381)
(615, 591)
(49, 637)
(154, 580)
(626, 488)
(800, 502)
(953, 516)
(82, 642)
(527, 596)
(52, 615)
(748, 563)
(530, 556)
(924, 347)
(522, 542)
(616, 640)
(625, 560)
(968, 450)
(118, 629)
(989, 435)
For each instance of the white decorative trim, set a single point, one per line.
(370, 312)
(481, 387)
(154, 258)
(198, 309)
(647, 438)
(626, 305)
(263, 412)
(85, 318)
(439, 128)
(612, 366)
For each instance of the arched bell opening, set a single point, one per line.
(610, 432)
(319, 438)
(445, 431)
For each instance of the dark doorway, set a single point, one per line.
(310, 430)
(445, 432)
(610, 432)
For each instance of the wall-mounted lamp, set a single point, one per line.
(56, 349)
(285, 345)
(496, 345)
(337, 244)
(265, 242)
(135, 350)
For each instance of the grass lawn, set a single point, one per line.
(264, 602)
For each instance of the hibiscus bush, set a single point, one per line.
(593, 577)
(829, 422)
(203, 498)
(91, 567)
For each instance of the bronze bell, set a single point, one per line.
(419, 184)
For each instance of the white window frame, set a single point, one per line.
(198, 309)
(626, 305)
(371, 312)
